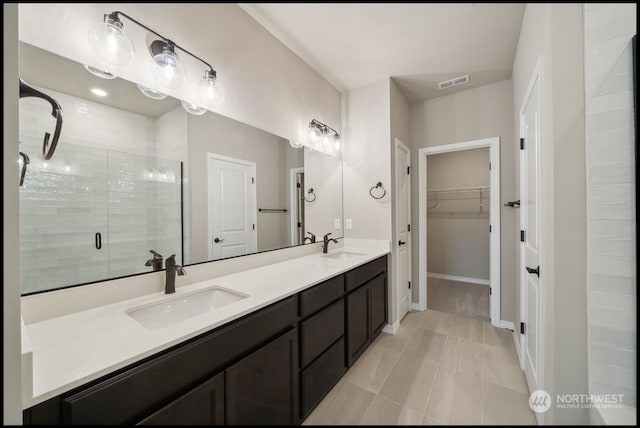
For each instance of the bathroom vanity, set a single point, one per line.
(268, 358)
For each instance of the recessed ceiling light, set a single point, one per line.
(100, 73)
(99, 92)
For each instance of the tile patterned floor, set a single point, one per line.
(438, 369)
(460, 298)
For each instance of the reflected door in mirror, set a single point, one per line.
(231, 207)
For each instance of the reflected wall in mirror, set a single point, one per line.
(132, 174)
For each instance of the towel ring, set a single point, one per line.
(310, 191)
(378, 185)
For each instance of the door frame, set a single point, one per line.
(493, 144)
(535, 82)
(293, 196)
(210, 157)
(399, 143)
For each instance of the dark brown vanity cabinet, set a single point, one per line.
(366, 304)
(204, 405)
(272, 366)
(262, 388)
(322, 361)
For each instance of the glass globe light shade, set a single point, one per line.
(193, 108)
(110, 42)
(210, 89)
(315, 134)
(151, 93)
(295, 144)
(103, 74)
(337, 144)
(168, 71)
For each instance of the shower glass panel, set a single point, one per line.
(89, 214)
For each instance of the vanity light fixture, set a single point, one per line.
(112, 44)
(324, 138)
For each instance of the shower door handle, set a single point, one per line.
(98, 240)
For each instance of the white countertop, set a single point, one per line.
(71, 350)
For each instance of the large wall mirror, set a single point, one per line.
(132, 174)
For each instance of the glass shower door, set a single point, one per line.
(63, 217)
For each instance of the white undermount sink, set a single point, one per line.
(182, 307)
(343, 255)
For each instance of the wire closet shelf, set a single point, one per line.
(472, 201)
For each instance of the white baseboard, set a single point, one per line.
(416, 307)
(517, 342)
(391, 328)
(459, 278)
(508, 325)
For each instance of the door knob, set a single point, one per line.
(536, 271)
(218, 240)
(401, 242)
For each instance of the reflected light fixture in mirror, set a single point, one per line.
(151, 93)
(99, 73)
(193, 108)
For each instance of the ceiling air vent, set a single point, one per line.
(454, 82)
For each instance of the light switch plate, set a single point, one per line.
(336, 223)
(348, 223)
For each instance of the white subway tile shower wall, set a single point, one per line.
(86, 188)
(610, 199)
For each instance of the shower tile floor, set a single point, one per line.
(460, 298)
(439, 368)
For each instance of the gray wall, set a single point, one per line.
(458, 238)
(11, 361)
(483, 112)
(212, 133)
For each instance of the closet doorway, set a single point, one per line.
(459, 238)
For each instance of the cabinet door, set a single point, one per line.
(203, 405)
(378, 287)
(262, 389)
(358, 331)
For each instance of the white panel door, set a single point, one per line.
(530, 225)
(231, 207)
(403, 220)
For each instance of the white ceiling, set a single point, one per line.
(418, 45)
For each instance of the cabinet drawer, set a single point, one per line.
(321, 295)
(317, 379)
(362, 274)
(320, 331)
(133, 394)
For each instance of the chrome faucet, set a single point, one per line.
(155, 261)
(171, 269)
(312, 238)
(325, 242)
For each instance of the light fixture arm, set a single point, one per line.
(114, 16)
